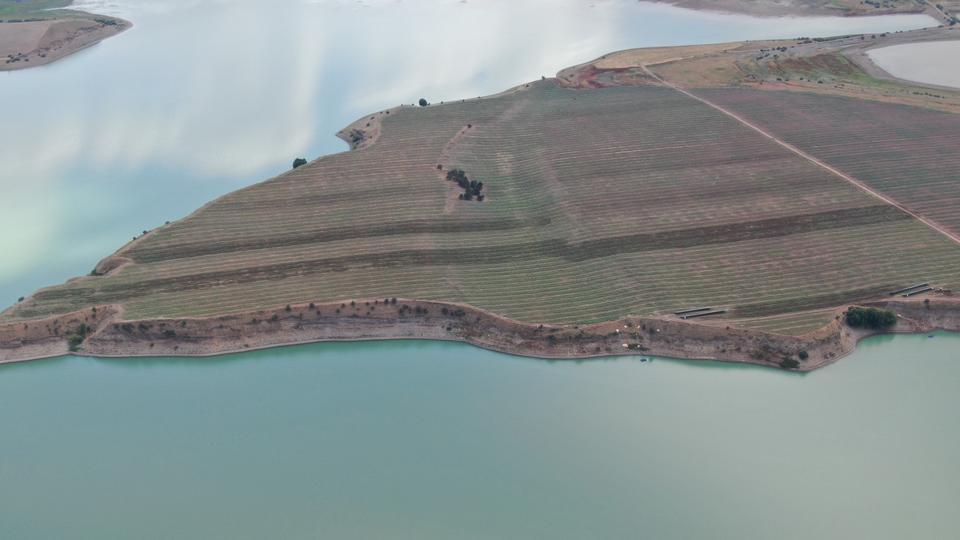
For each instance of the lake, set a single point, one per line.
(421, 440)
(405, 439)
(936, 62)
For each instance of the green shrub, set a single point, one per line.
(74, 342)
(873, 318)
(789, 363)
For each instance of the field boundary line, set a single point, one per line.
(837, 172)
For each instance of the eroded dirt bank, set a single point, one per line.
(103, 332)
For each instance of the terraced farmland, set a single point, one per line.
(908, 153)
(601, 203)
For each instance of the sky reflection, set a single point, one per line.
(203, 97)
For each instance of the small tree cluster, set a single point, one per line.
(74, 341)
(471, 188)
(873, 318)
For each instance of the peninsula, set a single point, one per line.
(37, 32)
(727, 202)
(943, 9)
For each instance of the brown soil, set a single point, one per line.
(378, 319)
(35, 43)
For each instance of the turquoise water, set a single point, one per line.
(426, 440)
(404, 439)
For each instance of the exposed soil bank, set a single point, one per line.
(109, 335)
(35, 43)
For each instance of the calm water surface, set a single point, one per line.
(936, 62)
(410, 439)
(427, 440)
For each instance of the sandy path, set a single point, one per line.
(844, 176)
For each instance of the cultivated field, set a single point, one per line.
(909, 154)
(600, 203)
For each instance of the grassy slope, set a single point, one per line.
(601, 203)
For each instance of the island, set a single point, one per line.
(764, 202)
(37, 32)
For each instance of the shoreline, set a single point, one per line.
(797, 8)
(111, 336)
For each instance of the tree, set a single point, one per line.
(423, 102)
(298, 162)
(873, 318)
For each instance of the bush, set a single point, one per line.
(298, 162)
(803, 355)
(789, 363)
(73, 343)
(423, 102)
(872, 318)
(471, 188)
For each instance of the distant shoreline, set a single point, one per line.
(802, 8)
(34, 42)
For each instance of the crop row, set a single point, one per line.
(908, 153)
